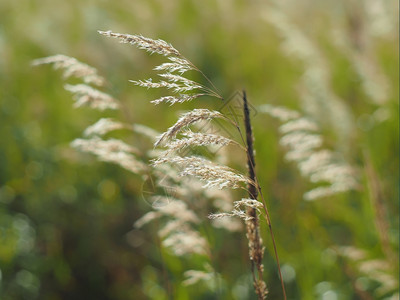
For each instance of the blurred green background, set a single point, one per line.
(66, 220)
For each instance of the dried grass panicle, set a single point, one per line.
(72, 67)
(147, 218)
(179, 210)
(177, 78)
(197, 139)
(299, 139)
(298, 125)
(215, 176)
(222, 201)
(181, 87)
(177, 65)
(238, 210)
(148, 83)
(383, 271)
(183, 84)
(153, 46)
(104, 126)
(195, 276)
(113, 151)
(185, 120)
(256, 252)
(96, 144)
(85, 95)
(177, 233)
(282, 113)
(179, 84)
(176, 99)
(186, 241)
(326, 191)
(245, 202)
(300, 136)
(234, 213)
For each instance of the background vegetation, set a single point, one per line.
(66, 220)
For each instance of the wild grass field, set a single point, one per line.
(321, 78)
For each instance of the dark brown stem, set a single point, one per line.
(256, 248)
(254, 190)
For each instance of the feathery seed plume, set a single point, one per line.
(72, 67)
(299, 135)
(153, 46)
(112, 150)
(298, 125)
(147, 218)
(214, 175)
(179, 99)
(186, 242)
(180, 65)
(197, 139)
(282, 113)
(103, 126)
(187, 119)
(194, 276)
(86, 95)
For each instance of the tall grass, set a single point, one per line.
(326, 137)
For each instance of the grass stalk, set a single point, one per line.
(254, 190)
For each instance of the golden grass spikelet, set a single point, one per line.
(153, 46)
(298, 139)
(181, 66)
(148, 83)
(185, 120)
(176, 233)
(147, 218)
(96, 144)
(197, 139)
(215, 176)
(383, 271)
(186, 241)
(113, 151)
(176, 83)
(194, 276)
(188, 85)
(72, 67)
(85, 95)
(222, 201)
(324, 191)
(179, 210)
(179, 99)
(238, 211)
(298, 125)
(177, 220)
(314, 162)
(103, 126)
(282, 113)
